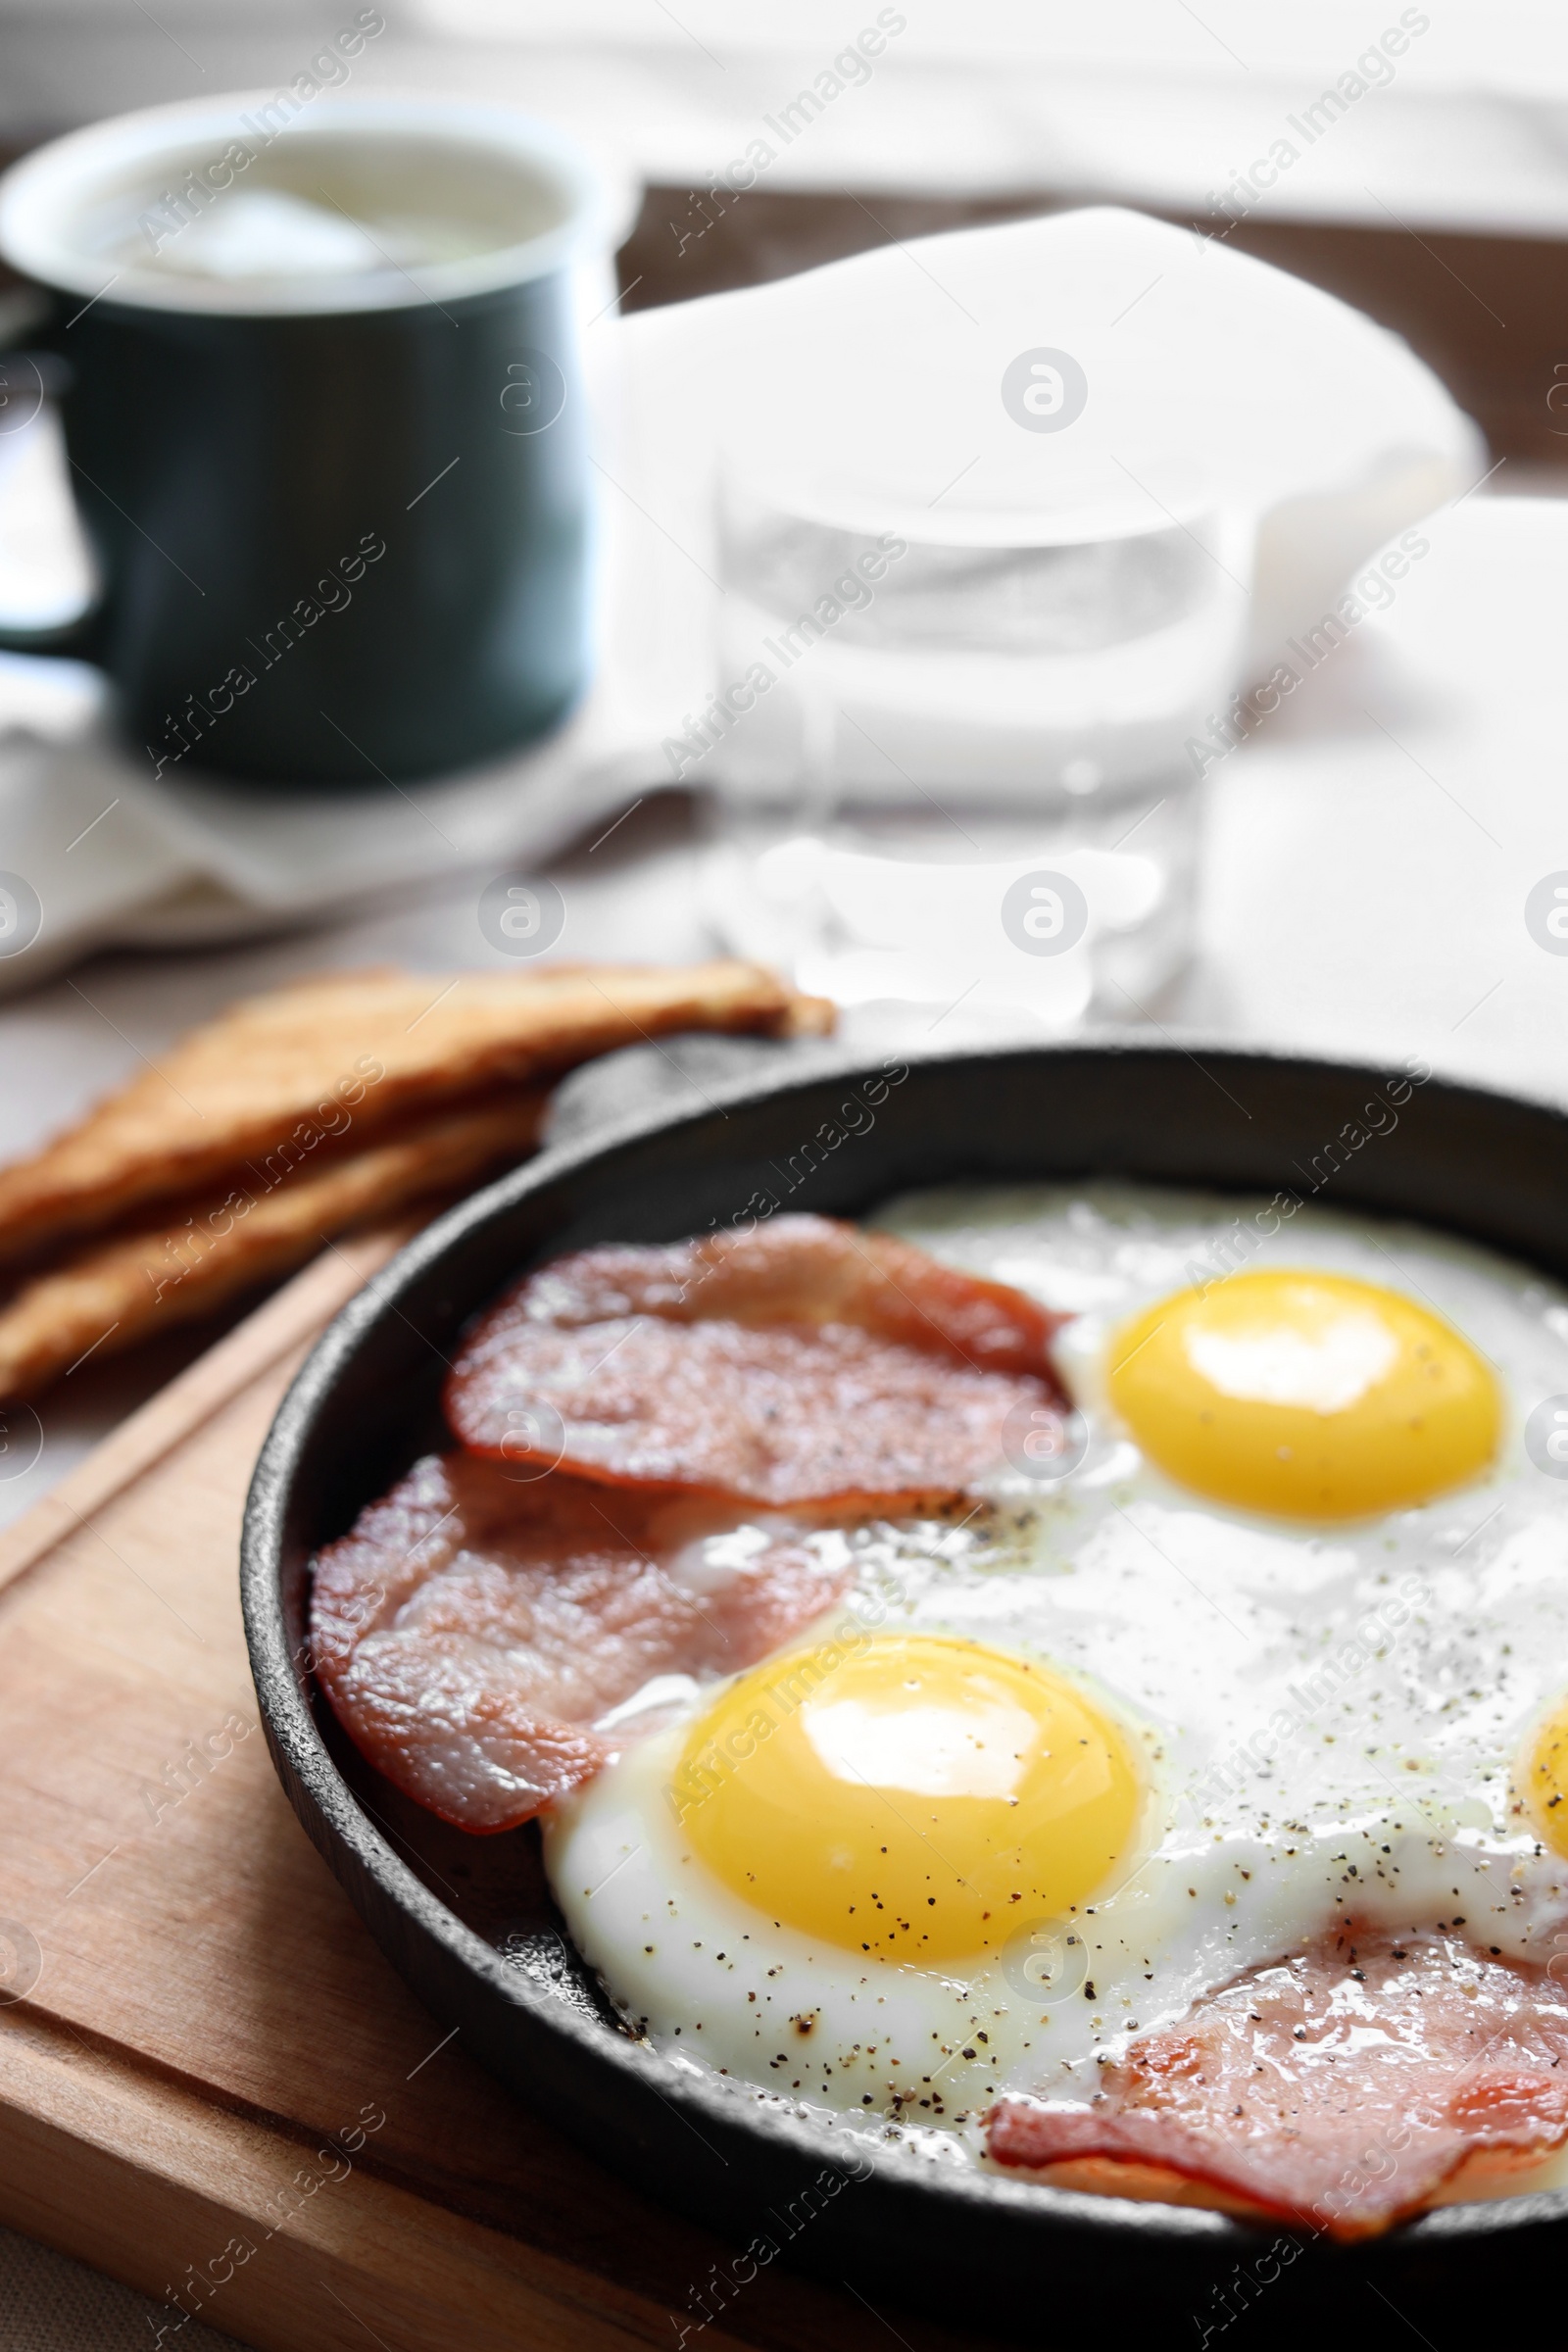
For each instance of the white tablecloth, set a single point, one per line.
(48, 2304)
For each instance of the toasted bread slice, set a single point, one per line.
(117, 1291)
(275, 1075)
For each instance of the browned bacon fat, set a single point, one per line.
(473, 1628)
(1340, 2087)
(801, 1362)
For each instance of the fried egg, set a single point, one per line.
(1304, 1393)
(905, 1800)
(1280, 1639)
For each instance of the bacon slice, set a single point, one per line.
(805, 1361)
(472, 1626)
(1340, 2087)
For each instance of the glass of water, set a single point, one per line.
(949, 755)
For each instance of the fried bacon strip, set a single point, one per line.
(475, 1625)
(1338, 2088)
(802, 1361)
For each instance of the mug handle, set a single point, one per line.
(22, 354)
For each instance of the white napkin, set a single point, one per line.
(1327, 432)
(1121, 466)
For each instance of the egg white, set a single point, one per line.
(1331, 1718)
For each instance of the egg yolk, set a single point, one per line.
(1313, 1396)
(1546, 1780)
(909, 1796)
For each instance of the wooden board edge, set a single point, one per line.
(289, 1317)
(116, 2167)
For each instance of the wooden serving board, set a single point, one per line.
(212, 2083)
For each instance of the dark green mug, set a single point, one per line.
(323, 410)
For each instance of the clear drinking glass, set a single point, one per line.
(949, 762)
